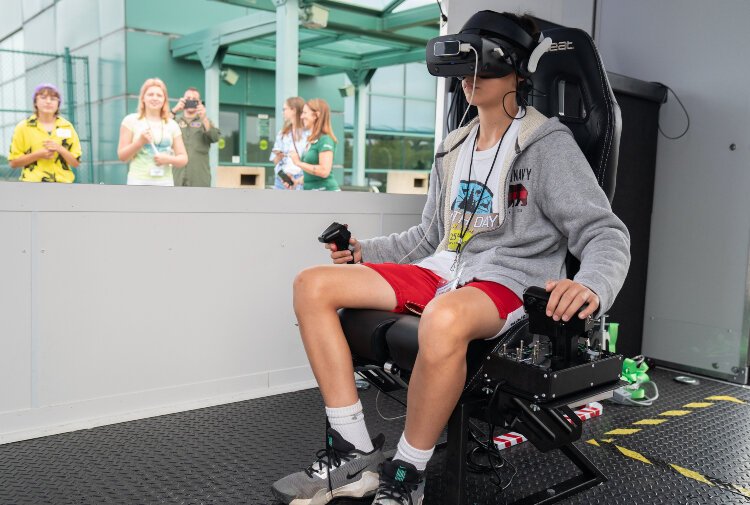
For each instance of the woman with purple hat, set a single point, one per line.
(45, 145)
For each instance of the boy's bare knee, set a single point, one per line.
(442, 317)
(440, 335)
(310, 285)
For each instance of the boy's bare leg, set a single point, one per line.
(448, 324)
(318, 293)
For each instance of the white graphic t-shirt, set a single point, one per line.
(286, 144)
(142, 169)
(475, 199)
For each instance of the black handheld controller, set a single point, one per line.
(337, 234)
(535, 301)
(563, 335)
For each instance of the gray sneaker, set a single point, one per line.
(400, 484)
(340, 470)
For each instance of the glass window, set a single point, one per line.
(420, 116)
(388, 81)
(7, 65)
(260, 133)
(419, 83)
(229, 143)
(385, 152)
(386, 113)
(418, 153)
(391, 152)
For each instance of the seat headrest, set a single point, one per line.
(571, 84)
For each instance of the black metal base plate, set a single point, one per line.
(544, 384)
(230, 454)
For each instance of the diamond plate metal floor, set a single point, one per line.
(230, 454)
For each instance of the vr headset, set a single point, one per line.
(489, 45)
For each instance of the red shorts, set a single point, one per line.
(415, 287)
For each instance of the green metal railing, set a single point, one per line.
(20, 72)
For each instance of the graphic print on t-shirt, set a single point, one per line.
(518, 189)
(472, 210)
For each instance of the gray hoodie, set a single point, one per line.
(554, 204)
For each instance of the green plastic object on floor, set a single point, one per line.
(634, 372)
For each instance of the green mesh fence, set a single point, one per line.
(20, 73)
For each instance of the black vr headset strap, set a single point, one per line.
(502, 27)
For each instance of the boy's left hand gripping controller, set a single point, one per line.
(338, 235)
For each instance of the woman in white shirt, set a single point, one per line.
(150, 140)
(292, 137)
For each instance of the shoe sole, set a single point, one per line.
(367, 485)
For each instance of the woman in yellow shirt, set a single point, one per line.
(45, 146)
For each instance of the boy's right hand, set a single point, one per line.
(345, 256)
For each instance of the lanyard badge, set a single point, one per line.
(450, 284)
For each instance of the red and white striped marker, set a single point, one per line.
(593, 409)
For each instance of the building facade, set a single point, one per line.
(127, 41)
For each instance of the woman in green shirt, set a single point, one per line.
(317, 160)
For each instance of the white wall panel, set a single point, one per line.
(15, 311)
(154, 300)
(700, 227)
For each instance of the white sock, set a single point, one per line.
(349, 422)
(417, 457)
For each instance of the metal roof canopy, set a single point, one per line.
(356, 37)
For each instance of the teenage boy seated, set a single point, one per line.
(510, 194)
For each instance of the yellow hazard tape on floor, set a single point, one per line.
(634, 455)
(675, 413)
(671, 413)
(725, 399)
(743, 490)
(623, 431)
(685, 472)
(691, 474)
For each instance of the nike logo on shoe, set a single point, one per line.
(352, 475)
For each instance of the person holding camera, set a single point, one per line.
(464, 268)
(198, 133)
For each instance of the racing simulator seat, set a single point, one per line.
(528, 379)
